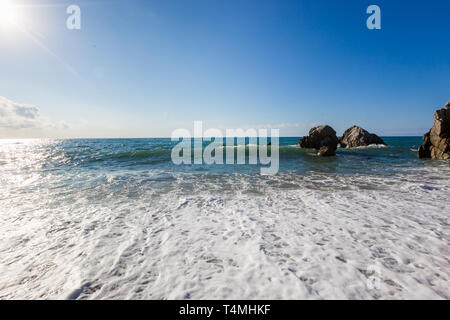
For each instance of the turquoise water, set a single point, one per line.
(115, 218)
(139, 154)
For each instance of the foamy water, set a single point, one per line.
(99, 219)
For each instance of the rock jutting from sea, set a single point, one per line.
(358, 137)
(436, 142)
(321, 138)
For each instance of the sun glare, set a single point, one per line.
(8, 14)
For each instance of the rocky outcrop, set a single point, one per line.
(436, 142)
(358, 137)
(321, 138)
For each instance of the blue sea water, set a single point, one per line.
(139, 154)
(115, 218)
(76, 158)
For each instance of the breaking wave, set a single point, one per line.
(127, 227)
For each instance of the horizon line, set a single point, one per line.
(115, 138)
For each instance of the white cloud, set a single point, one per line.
(15, 116)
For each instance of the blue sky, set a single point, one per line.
(142, 68)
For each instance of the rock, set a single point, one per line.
(436, 142)
(425, 149)
(326, 151)
(321, 138)
(358, 137)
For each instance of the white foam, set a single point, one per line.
(238, 146)
(371, 146)
(230, 237)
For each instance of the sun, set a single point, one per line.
(9, 15)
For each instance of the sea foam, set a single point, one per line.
(152, 233)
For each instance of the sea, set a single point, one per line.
(117, 219)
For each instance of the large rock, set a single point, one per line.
(436, 142)
(358, 137)
(321, 138)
